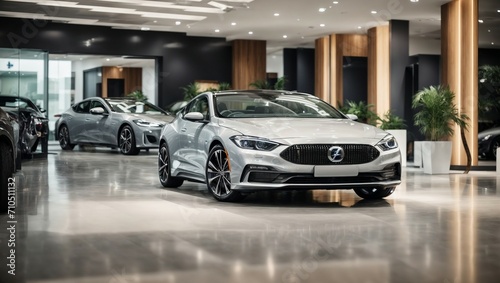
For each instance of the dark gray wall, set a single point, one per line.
(355, 79)
(298, 69)
(488, 57)
(399, 58)
(182, 59)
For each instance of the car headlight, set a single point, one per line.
(485, 138)
(255, 143)
(388, 143)
(144, 123)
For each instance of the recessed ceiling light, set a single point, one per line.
(480, 21)
(489, 30)
(359, 27)
(498, 11)
(145, 28)
(322, 25)
(373, 12)
(155, 22)
(250, 32)
(217, 30)
(414, 1)
(233, 24)
(335, 2)
(276, 14)
(493, 43)
(285, 36)
(107, 59)
(321, 10)
(177, 23)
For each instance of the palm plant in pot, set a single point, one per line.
(436, 116)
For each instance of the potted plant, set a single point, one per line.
(137, 95)
(435, 117)
(190, 91)
(395, 125)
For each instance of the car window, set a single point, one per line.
(82, 107)
(97, 103)
(199, 105)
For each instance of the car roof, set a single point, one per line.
(260, 91)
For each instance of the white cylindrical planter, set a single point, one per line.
(400, 136)
(436, 156)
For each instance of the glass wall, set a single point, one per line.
(23, 73)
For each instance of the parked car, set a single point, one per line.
(242, 141)
(122, 123)
(176, 106)
(488, 142)
(33, 125)
(8, 154)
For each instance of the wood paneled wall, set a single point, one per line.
(379, 86)
(322, 66)
(131, 76)
(330, 51)
(249, 62)
(459, 43)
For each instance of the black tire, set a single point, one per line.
(64, 139)
(166, 179)
(374, 193)
(6, 159)
(493, 148)
(126, 141)
(218, 176)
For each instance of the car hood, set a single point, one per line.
(303, 130)
(493, 131)
(152, 118)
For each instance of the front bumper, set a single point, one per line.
(255, 170)
(148, 137)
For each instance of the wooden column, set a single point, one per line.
(459, 43)
(379, 84)
(249, 62)
(330, 51)
(322, 86)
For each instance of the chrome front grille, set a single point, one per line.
(317, 154)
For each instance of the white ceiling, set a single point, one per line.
(299, 20)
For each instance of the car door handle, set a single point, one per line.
(87, 119)
(183, 130)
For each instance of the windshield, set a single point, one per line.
(15, 102)
(137, 107)
(256, 105)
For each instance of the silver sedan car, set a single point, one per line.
(117, 123)
(245, 141)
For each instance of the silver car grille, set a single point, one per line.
(317, 154)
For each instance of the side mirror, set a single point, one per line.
(352, 117)
(194, 117)
(98, 111)
(43, 110)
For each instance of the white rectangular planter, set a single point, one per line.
(400, 136)
(436, 156)
(417, 154)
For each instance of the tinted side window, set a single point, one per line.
(199, 105)
(97, 103)
(82, 107)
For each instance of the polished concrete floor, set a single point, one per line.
(97, 216)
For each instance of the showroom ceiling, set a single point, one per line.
(283, 23)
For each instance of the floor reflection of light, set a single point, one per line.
(237, 267)
(270, 265)
(199, 256)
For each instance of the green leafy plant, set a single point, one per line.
(261, 84)
(362, 110)
(489, 93)
(191, 91)
(224, 86)
(137, 95)
(280, 83)
(437, 113)
(391, 121)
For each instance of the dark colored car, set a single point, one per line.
(33, 125)
(8, 153)
(488, 142)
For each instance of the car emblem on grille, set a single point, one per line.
(335, 154)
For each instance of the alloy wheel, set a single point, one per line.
(125, 140)
(63, 137)
(218, 173)
(163, 164)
